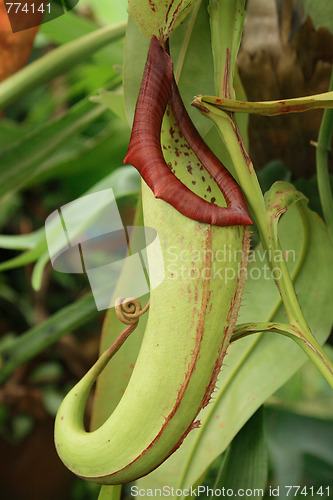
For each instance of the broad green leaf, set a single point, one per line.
(293, 441)
(159, 18)
(307, 392)
(255, 368)
(246, 463)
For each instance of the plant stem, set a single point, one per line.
(110, 492)
(57, 62)
(314, 351)
(323, 178)
(250, 185)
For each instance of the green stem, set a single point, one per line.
(313, 350)
(226, 33)
(272, 108)
(323, 178)
(250, 185)
(57, 62)
(110, 492)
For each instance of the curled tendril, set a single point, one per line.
(129, 310)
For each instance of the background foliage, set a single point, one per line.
(56, 145)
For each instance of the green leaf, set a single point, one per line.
(75, 159)
(112, 100)
(246, 463)
(10, 131)
(17, 168)
(159, 18)
(38, 338)
(106, 11)
(21, 242)
(67, 28)
(256, 368)
(294, 442)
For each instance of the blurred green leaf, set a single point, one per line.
(46, 372)
(21, 242)
(106, 11)
(22, 426)
(246, 462)
(298, 445)
(52, 399)
(112, 100)
(38, 338)
(21, 160)
(10, 132)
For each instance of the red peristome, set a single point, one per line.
(158, 87)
